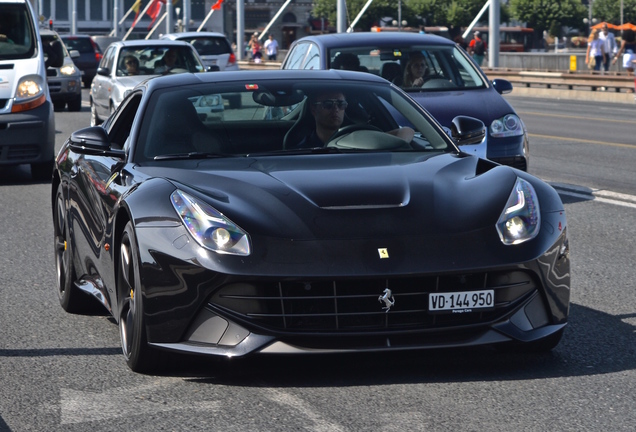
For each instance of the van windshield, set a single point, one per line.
(17, 34)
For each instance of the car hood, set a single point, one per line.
(348, 196)
(483, 104)
(129, 82)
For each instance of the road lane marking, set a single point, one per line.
(607, 120)
(78, 406)
(319, 424)
(599, 195)
(605, 143)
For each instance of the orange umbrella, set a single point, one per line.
(609, 25)
(627, 26)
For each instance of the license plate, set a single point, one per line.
(461, 302)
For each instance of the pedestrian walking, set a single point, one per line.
(271, 47)
(477, 48)
(609, 46)
(595, 52)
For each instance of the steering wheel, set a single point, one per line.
(352, 128)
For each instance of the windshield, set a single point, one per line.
(17, 35)
(210, 45)
(279, 118)
(157, 60)
(435, 67)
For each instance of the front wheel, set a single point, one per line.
(132, 332)
(72, 299)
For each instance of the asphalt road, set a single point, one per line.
(61, 372)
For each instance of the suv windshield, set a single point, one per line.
(441, 67)
(17, 35)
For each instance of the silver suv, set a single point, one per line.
(65, 83)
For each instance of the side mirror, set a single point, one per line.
(467, 130)
(103, 71)
(54, 54)
(213, 68)
(502, 86)
(94, 141)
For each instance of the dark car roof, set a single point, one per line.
(336, 40)
(257, 75)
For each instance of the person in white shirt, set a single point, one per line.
(595, 51)
(271, 47)
(609, 46)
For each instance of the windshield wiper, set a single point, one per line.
(191, 155)
(303, 151)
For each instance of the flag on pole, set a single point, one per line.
(217, 5)
(155, 10)
(136, 8)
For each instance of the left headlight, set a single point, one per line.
(209, 227)
(520, 220)
(508, 125)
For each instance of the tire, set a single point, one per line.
(72, 299)
(95, 120)
(59, 106)
(42, 171)
(139, 356)
(76, 104)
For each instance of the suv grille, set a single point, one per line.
(352, 305)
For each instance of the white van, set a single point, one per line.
(27, 123)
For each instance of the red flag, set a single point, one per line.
(155, 10)
(217, 5)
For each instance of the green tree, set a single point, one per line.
(610, 11)
(548, 14)
(453, 14)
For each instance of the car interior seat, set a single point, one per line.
(390, 70)
(178, 129)
(301, 127)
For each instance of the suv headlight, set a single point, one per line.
(68, 69)
(209, 227)
(508, 125)
(520, 220)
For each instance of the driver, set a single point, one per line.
(167, 62)
(328, 110)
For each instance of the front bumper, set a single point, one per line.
(511, 151)
(27, 137)
(190, 308)
(65, 89)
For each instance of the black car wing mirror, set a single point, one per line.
(467, 130)
(94, 141)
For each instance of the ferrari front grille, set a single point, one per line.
(356, 305)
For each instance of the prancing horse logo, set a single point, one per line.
(387, 299)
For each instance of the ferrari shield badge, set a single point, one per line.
(383, 252)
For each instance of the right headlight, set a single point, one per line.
(29, 94)
(520, 220)
(508, 125)
(209, 227)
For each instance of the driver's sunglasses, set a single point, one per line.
(328, 104)
(130, 62)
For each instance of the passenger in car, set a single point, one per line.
(415, 71)
(167, 62)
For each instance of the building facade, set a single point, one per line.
(95, 17)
